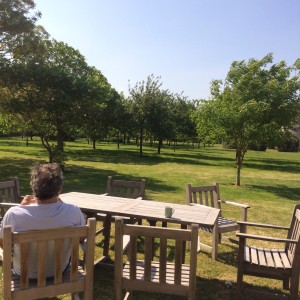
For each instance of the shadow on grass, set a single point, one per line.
(77, 178)
(282, 191)
(132, 157)
(93, 180)
(268, 164)
(207, 289)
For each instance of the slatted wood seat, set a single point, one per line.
(210, 196)
(74, 280)
(161, 276)
(281, 264)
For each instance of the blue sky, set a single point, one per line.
(187, 43)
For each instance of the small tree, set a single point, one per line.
(255, 104)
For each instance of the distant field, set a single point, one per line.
(270, 185)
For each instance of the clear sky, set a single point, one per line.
(187, 43)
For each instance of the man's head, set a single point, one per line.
(46, 181)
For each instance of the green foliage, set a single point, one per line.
(16, 18)
(288, 143)
(251, 108)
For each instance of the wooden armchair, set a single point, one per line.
(155, 276)
(210, 196)
(9, 193)
(283, 264)
(73, 280)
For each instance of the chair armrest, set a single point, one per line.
(265, 238)
(8, 204)
(263, 225)
(246, 206)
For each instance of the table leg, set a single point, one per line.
(106, 233)
(183, 244)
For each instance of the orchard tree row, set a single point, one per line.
(48, 89)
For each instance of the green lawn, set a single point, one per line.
(270, 185)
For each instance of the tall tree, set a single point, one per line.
(257, 102)
(142, 95)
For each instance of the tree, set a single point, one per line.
(142, 97)
(256, 104)
(16, 18)
(52, 93)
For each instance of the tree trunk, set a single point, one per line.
(159, 146)
(48, 148)
(239, 156)
(141, 142)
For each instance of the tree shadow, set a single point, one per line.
(269, 164)
(282, 191)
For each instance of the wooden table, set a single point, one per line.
(154, 211)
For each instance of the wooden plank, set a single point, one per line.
(162, 260)
(269, 258)
(284, 258)
(254, 257)
(148, 257)
(261, 257)
(277, 258)
(247, 254)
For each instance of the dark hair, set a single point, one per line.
(46, 181)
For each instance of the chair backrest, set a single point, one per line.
(205, 195)
(72, 280)
(293, 250)
(158, 276)
(125, 188)
(9, 191)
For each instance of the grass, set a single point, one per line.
(270, 185)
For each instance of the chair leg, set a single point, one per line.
(215, 243)
(286, 282)
(128, 295)
(294, 286)
(76, 296)
(239, 285)
(219, 238)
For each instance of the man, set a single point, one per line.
(42, 210)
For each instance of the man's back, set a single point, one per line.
(38, 216)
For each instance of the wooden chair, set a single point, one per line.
(210, 196)
(283, 264)
(125, 188)
(121, 188)
(73, 280)
(155, 276)
(9, 193)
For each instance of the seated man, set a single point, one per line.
(42, 210)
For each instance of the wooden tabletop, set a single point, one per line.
(146, 209)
